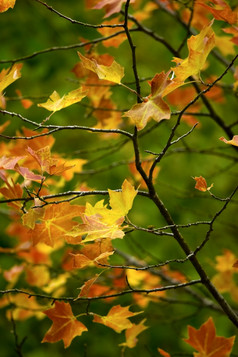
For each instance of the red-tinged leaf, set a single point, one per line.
(9, 163)
(235, 265)
(56, 103)
(112, 73)
(10, 75)
(117, 318)
(163, 353)
(65, 325)
(201, 184)
(132, 333)
(207, 343)
(27, 174)
(221, 11)
(154, 107)
(110, 6)
(199, 48)
(233, 141)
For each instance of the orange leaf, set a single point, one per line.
(222, 11)
(112, 73)
(153, 107)
(55, 103)
(207, 343)
(55, 223)
(87, 286)
(6, 4)
(233, 141)
(132, 333)
(163, 353)
(7, 76)
(117, 318)
(65, 325)
(201, 184)
(199, 47)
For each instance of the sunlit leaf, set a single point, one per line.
(112, 73)
(117, 318)
(56, 103)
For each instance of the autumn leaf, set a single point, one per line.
(65, 325)
(56, 103)
(117, 318)
(199, 47)
(12, 191)
(153, 107)
(221, 11)
(132, 333)
(121, 202)
(6, 4)
(201, 184)
(112, 73)
(110, 6)
(56, 223)
(233, 141)
(87, 285)
(207, 343)
(26, 103)
(163, 353)
(10, 75)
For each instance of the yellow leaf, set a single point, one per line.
(55, 103)
(112, 73)
(132, 333)
(233, 141)
(121, 202)
(117, 318)
(10, 75)
(199, 48)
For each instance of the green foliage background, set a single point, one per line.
(30, 27)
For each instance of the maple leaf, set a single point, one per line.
(221, 11)
(112, 73)
(10, 75)
(111, 6)
(56, 223)
(154, 107)
(65, 325)
(201, 184)
(56, 103)
(207, 343)
(86, 286)
(6, 4)
(90, 254)
(117, 318)
(132, 333)
(121, 202)
(233, 141)
(13, 190)
(199, 47)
